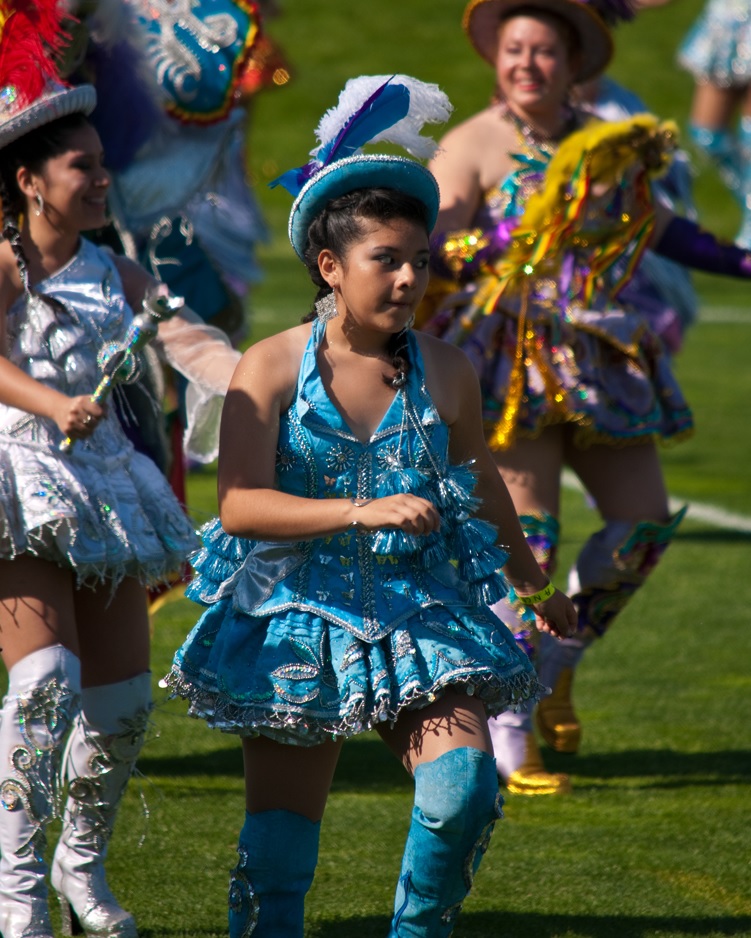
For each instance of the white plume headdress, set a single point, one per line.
(371, 109)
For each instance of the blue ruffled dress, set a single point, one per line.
(326, 638)
(717, 48)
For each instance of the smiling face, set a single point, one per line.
(383, 275)
(534, 65)
(73, 184)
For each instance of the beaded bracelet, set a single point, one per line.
(539, 597)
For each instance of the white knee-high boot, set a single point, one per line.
(105, 740)
(43, 696)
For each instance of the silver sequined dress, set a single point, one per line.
(102, 509)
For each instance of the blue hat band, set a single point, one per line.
(360, 172)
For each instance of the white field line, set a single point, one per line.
(710, 514)
(721, 315)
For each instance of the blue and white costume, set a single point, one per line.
(716, 48)
(329, 637)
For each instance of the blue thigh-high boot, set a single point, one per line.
(456, 806)
(724, 149)
(278, 855)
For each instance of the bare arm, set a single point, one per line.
(17, 389)
(472, 158)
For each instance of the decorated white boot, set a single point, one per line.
(105, 740)
(43, 695)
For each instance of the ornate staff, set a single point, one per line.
(118, 360)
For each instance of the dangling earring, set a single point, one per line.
(326, 307)
(39, 210)
(410, 322)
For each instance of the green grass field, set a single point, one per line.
(655, 839)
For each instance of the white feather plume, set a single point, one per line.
(427, 105)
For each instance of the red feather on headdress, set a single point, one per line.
(31, 35)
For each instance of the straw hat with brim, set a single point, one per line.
(482, 17)
(360, 172)
(56, 101)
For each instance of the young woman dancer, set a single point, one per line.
(544, 214)
(83, 529)
(349, 592)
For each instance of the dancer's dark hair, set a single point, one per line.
(340, 225)
(32, 151)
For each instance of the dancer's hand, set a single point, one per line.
(556, 615)
(409, 513)
(78, 417)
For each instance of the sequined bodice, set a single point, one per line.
(58, 345)
(318, 456)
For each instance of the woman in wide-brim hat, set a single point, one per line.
(544, 213)
(482, 19)
(86, 523)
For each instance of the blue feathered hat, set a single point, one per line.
(371, 109)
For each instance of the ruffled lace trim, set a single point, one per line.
(311, 727)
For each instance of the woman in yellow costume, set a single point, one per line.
(544, 213)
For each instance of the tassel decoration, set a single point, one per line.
(454, 491)
(400, 481)
(391, 541)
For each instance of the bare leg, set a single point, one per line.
(628, 487)
(626, 483)
(713, 130)
(714, 107)
(113, 633)
(454, 721)
(531, 470)
(37, 608)
(290, 778)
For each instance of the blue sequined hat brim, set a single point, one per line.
(360, 172)
(50, 106)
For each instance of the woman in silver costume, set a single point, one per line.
(86, 523)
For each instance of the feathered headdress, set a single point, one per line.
(371, 109)
(31, 93)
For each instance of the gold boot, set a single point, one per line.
(556, 720)
(532, 779)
